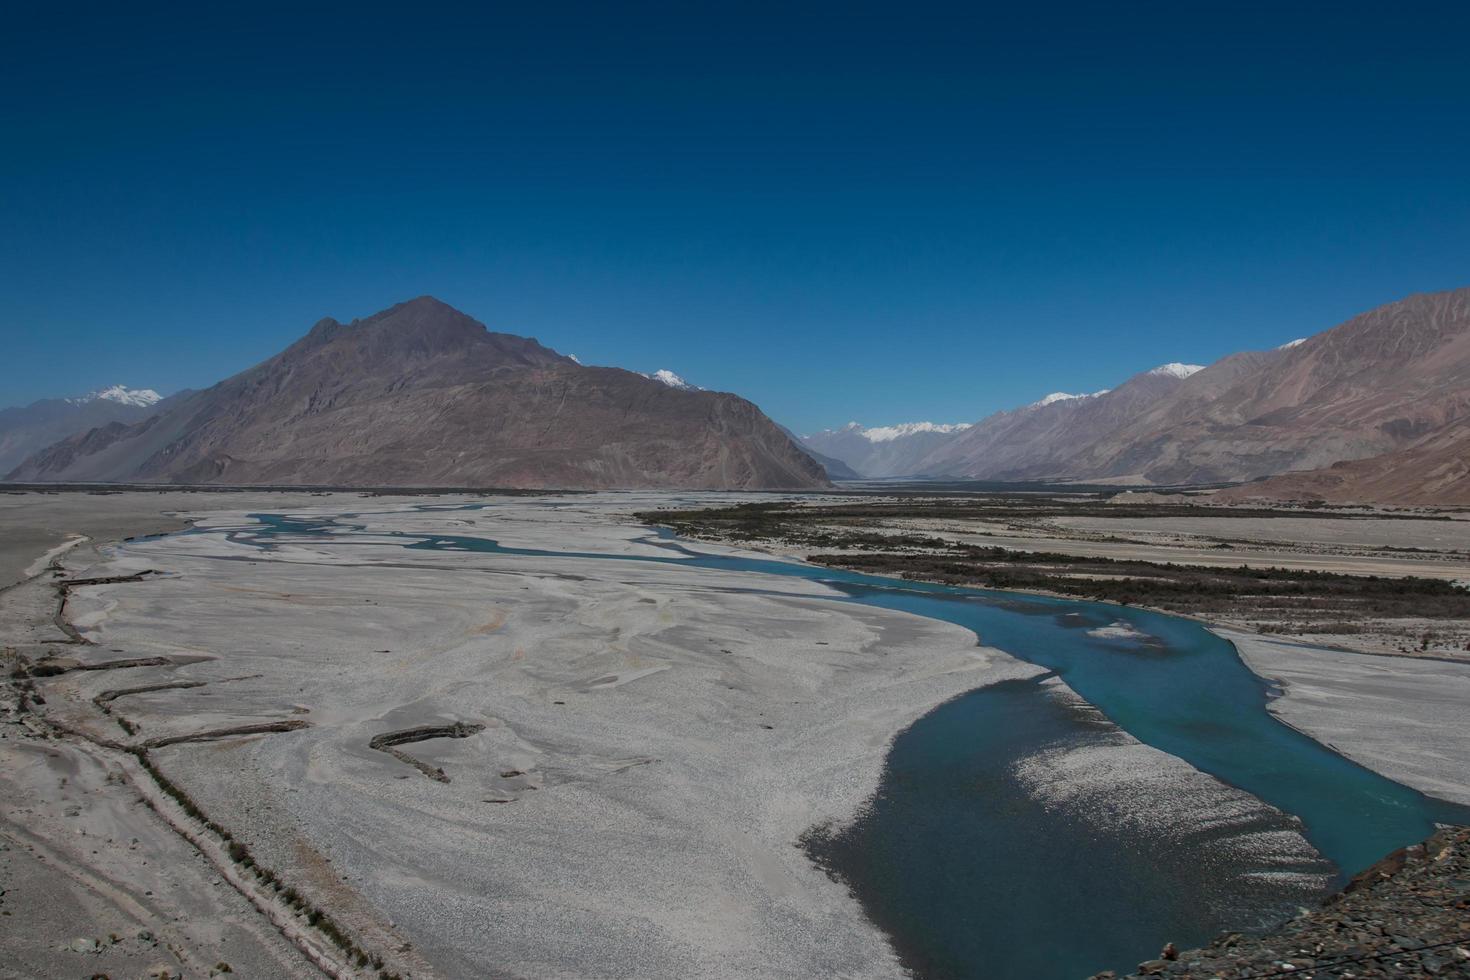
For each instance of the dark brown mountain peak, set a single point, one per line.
(423, 395)
(423, 329)
(322, 331)
(425, 323)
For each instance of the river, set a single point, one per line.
(971, 872)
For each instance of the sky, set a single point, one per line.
(873, 212)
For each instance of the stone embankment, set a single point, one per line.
(1407, 916)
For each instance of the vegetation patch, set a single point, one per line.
(868, 536)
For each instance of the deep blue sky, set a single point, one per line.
(885, 213)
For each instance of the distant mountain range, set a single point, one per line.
(27, 429)
(1374, 410)
(886, 451)
(423, 395)
(1389, 388)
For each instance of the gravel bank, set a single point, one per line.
(1402, 717)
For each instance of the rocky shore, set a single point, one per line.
(1407, 916)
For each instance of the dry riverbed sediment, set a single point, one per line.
(598, 768)
(1399, 716)
(655, 739)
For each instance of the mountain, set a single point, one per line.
(122, 395)
(885, 451)
(25, 430)
(835, 468)
(1387, 381)
(1380, 383)
(423, 395)
(1062, 396)
(1434, 471)
(1038, 441)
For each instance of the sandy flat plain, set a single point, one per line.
(626, 753)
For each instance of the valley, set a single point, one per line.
(735, 492)
(375, 772)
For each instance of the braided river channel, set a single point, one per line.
(974, 873)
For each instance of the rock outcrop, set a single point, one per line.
(1407, 916)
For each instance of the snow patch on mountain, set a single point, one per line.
(1176, 370)
(888, 433)
(1062, 396)
(665, 376)
(1292, 343)
(123, 395)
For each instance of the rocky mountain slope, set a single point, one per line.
(1040, 441)
(1389, 388)
(30, 428)
(423, 395)
(835, 468)
(1434, 471)
(1382, 382)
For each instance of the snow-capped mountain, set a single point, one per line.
(1371, 385)
(665, 376)
(422, 394)
(1176, 370)
(1041, 440)
(886, 450)
(888, 433)
(971, 448)
(29, 428)
(1062, 396)
(122, 395)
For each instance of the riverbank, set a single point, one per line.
(1407, 916)
(1372, 582)
(1399, 716)
(1396, 712)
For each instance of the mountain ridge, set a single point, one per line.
(422, 394)
(1377, 384)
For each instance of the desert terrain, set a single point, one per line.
(326, 752)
